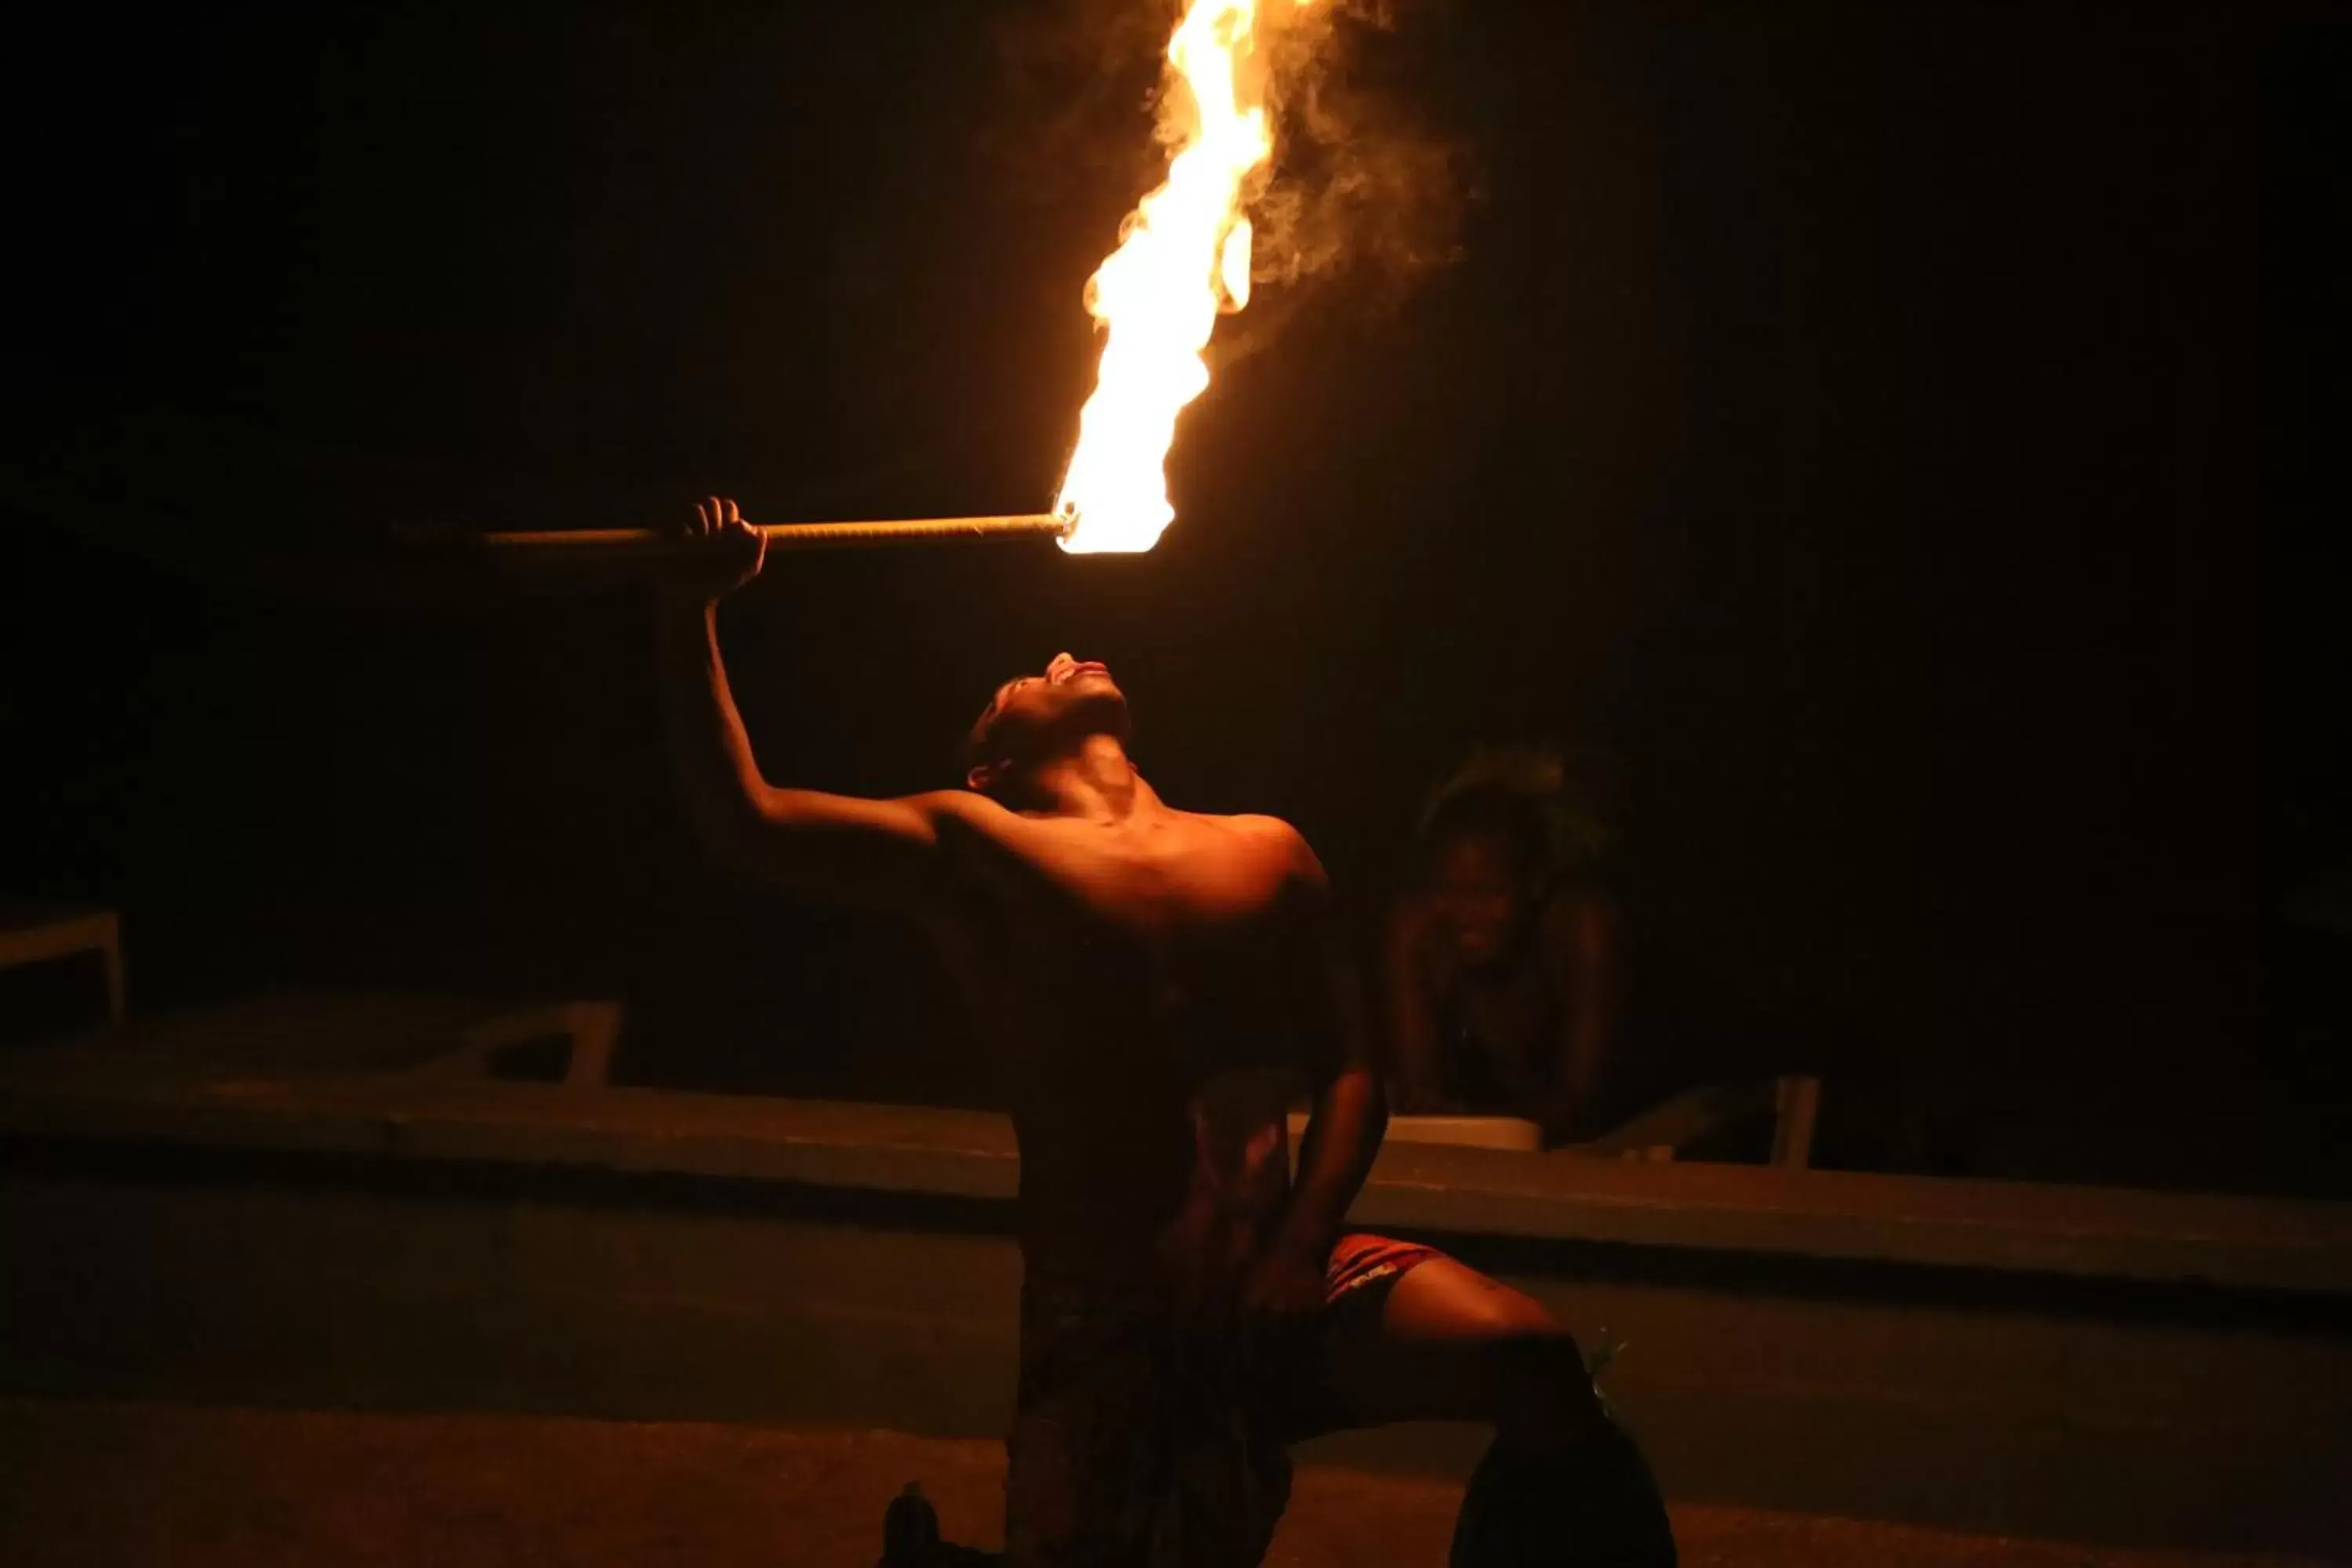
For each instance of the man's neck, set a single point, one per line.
(1097, 782)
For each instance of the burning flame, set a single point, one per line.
(1184, 256)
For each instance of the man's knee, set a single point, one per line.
(1444, 1299)
(1546, 1393)
(1502, 1313)
(1458, 1346)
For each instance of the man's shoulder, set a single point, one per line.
(1275, 836)
(1252, 824)
(965, 807)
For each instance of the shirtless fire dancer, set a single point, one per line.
(1155, 986)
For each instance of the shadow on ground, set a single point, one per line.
(103, 1482)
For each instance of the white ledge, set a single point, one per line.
(2247, 1242)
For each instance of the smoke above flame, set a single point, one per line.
(1182, 259)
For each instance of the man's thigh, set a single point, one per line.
(1069, 1490)
(1084, 1442)
(1122, 1455)
(1561, 1482)
(1444, 1343)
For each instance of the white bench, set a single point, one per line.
(375, 1033)
(42, 934)
(1465, 1131)
(1792, 1099)
(1656, 1134)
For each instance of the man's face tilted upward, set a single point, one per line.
(1035, 716)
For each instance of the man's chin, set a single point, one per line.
(1096, 708)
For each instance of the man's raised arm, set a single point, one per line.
(879, 853)
(1350, 1109)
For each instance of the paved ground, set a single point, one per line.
(102, 1483)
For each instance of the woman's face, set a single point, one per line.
(1475, 893)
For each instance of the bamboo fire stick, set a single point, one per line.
(619, 547)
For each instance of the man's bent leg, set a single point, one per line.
(1133, 1447)
(1119, 1475)
(1080, 1458)
(1450, 1345)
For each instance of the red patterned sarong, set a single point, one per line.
(1142, 1444)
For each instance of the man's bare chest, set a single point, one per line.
(1188, 885)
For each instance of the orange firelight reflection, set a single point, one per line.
(1184, 256)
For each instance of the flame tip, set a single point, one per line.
(1183, 257)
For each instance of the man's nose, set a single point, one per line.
(1058, 661)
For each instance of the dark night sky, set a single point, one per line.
(1887, 429)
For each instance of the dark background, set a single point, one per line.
(1901, 436)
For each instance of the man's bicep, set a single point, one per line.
(880, 853)
(1348, 1025)
(1338, 1019)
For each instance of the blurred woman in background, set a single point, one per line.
(1503, 964)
